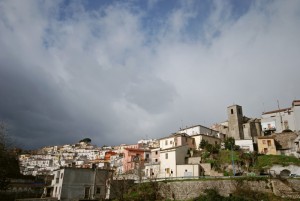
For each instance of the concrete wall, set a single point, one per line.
(245, 144)
(181, 153)
(194, 160)
(190, 189)
(188, 170)
(276, 169)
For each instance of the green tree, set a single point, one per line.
(229, 143)
(9, 167)
(203, 144)
(86, 140)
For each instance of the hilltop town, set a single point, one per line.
(188, 153)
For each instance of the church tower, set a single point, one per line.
(235, 122)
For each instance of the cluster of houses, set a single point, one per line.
(172, 156)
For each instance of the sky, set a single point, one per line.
(121, 71)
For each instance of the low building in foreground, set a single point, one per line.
(71, 184)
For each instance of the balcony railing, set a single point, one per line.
(152, 163)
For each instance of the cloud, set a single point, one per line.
(117, 73)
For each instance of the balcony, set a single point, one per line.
(152, 163)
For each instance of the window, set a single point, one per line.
(231, 111)
(171, 142)
(98, 190)
(286, 124)
(57, 180)
(166, 155)
(264, 141)
(269, 143)
(147, 155)
(87, 192)
(156, 152)
(166, 142)
(61, 175)
(167, 170)
(156, 160)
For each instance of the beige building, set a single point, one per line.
(210, 139)
(266, 145)
(279, 144)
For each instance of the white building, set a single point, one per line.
(152, 168)
(246, 145)
(282, 119)
(198, 129)
(77, 183)
(173, 154)
(170, 158)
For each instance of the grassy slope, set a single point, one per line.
(269, 160)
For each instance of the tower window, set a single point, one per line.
(231, 111)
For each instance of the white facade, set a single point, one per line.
(288, 118)
(246, 145)
(116, 162)
(170, 158)
(152, 168)
(175, 140)
(74, 183)
(188, 170)
(194, 130)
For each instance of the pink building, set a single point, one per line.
(134, 158)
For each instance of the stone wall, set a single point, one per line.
(183, 190)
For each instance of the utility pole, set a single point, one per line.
(279, 112)
(232, 161)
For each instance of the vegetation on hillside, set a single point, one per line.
(86, 140)
(266, 161)
(244, 162)
(9, 167)
(239, 195)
